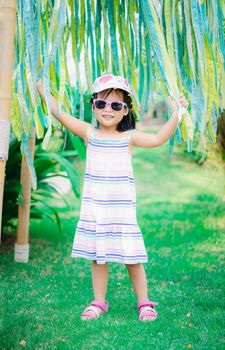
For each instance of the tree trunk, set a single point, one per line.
(22, 245)
(7, 31)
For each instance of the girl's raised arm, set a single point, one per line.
(155, 140)
(73, 124)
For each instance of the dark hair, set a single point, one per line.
(128, 122)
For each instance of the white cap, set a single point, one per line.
(108, 81)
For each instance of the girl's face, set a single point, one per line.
(107, 117)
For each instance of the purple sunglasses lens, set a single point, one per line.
(100, 104)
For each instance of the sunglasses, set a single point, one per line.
(114, 105)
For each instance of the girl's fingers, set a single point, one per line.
(180, 101)
(183, 101)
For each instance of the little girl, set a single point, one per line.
(107, 229)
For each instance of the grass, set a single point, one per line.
(180, 209)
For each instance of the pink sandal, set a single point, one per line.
(148, 310)
(94, 308)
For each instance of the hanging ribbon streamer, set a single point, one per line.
(168, 47)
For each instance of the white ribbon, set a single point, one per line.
(181, 110)
(4, 139)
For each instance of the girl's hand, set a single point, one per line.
(174, 103)
(178, 106)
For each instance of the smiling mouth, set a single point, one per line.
(107, 116)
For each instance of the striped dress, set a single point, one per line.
(107, 229)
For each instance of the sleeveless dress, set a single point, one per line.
(107, 229)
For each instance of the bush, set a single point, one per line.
(48, 164)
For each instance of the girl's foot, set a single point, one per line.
(147, 311)
(94, 310)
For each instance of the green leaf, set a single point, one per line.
(69, 168)
(78, 145)
(52, 210)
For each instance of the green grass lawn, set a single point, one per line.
(180, 209)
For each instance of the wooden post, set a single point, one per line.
(7, 31)
(22, 245)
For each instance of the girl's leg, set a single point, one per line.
(99, 282)
(139, 281)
